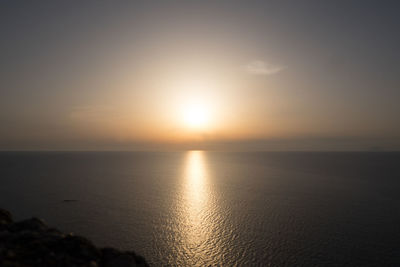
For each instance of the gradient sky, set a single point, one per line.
(272, 75)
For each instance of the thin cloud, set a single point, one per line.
(259, 67)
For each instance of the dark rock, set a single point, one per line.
(33, 224)
(79, 247)
(5, 217)
(33, 243)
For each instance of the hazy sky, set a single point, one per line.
(264, 75)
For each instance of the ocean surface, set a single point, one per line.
(212, 208)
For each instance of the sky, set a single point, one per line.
(218, 75)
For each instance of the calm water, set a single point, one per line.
(221, 209)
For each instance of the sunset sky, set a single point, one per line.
(220, 75)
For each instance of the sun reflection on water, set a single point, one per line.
(198, 208)
(195, 178)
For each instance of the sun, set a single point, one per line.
(195, 105)
(195, 116)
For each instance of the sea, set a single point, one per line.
(202, 208)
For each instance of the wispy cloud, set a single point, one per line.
(259, 67)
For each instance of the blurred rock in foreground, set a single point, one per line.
(33, 243)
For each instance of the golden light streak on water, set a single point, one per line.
(196, 180)
(198, 208)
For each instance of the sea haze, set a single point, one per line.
(212, 208)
